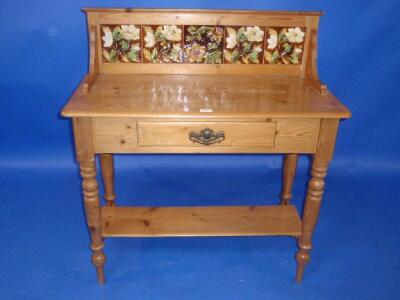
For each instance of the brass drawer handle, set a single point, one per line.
(207, 136)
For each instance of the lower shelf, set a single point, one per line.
(200, 221)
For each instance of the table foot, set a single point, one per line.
(303, 258)
(98, 260)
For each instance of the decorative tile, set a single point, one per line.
(203, 44)
(284, 45)
(243, 45)
(121, 43)
(162, 44)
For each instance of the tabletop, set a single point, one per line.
(203, 96)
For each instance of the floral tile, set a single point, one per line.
(203, 44)
(162, 44)
(284, 46)
(244, 45)
(121, 43)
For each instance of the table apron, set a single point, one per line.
(130, 135)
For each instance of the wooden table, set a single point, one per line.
(197, 81)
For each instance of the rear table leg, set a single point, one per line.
(289, 171)
(107, 173)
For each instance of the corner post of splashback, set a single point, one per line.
(92, 19)
(309, 69)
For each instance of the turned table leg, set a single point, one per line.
(93, 215)
(87, 163)
(289, 171)
(107, 173)
(310, 215)
(315, 190)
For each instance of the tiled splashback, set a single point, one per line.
(202, 44)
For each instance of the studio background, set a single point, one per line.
(44, 250)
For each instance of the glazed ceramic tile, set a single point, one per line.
(162, 44)
(284, 45)
(121, 43)
(243, 44)
(203, 44)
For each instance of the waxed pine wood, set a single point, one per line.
(262, 96)
(90, 188)
(176, 133)
(107, 173)
(315, 192)
(289, 171)
(201, 221)
(122, 135)
(156, 108)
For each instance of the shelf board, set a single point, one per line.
(200, 221)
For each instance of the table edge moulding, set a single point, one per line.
(202, 81)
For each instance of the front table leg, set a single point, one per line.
(310, 214)
(93, 215)
(324, 153)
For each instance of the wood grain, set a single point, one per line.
(107, 173)
(98, 16)
(94, 68)
(315, 191)
(311, 67)
(202, 11)
(158, 134)
(200, 221)
(151, 108)
(289, 172)
(119, 135)
(90, 190)
(201, 69)
(208, 17)
(83, 138)
(229, 96)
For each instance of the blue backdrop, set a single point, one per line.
(44, 253)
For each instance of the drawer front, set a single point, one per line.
(129, 135)
(206, 134)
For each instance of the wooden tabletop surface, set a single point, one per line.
(203, 96)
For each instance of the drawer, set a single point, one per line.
(129, 135)
(205, 134)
